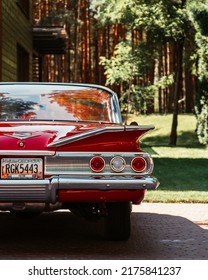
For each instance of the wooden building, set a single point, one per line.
(23, 45)
(15, 40)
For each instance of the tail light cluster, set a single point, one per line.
(138, 164)
(118, 164)
(97, 164)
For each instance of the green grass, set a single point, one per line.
(181, 170)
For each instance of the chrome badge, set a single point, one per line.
(22, 135)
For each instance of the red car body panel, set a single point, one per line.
(37, 136)
(101, 196)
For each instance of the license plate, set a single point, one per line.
(21, 168)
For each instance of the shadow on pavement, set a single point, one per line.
(61, 235)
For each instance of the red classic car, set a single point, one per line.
(63, 146)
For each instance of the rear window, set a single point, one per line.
(54, 102)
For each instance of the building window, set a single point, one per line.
(22, 64)
(24, 6)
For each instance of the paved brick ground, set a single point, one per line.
(159, 231)
(174, 231)
(193, 212)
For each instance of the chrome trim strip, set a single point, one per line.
(26, 152)
(109, 183)
(95, 153)
(94, 173)
(47, 190)
(138, 127)
(94, 132)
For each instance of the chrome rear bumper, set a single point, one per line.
(47, 190)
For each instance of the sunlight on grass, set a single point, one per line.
(179, 152)
(160, 135)
(181, 170)
(176, 196)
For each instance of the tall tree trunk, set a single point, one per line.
(76, 77)
(177, 89)
(0, 41)
(166, 72)
(189, 77)
(160, 74)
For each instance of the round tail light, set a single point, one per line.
(118, 164)
(138, 164)
(97, 164)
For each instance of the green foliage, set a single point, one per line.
(140, 98)
(123, 67)
(202, 120)
(164, 81)
(162, 21)
(120, 67)
(202, 56)
(113, 11)
(199, 15)
(161, 18)
(128, 62)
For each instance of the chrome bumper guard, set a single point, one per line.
(46, 190)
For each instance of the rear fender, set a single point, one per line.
(112, 138)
